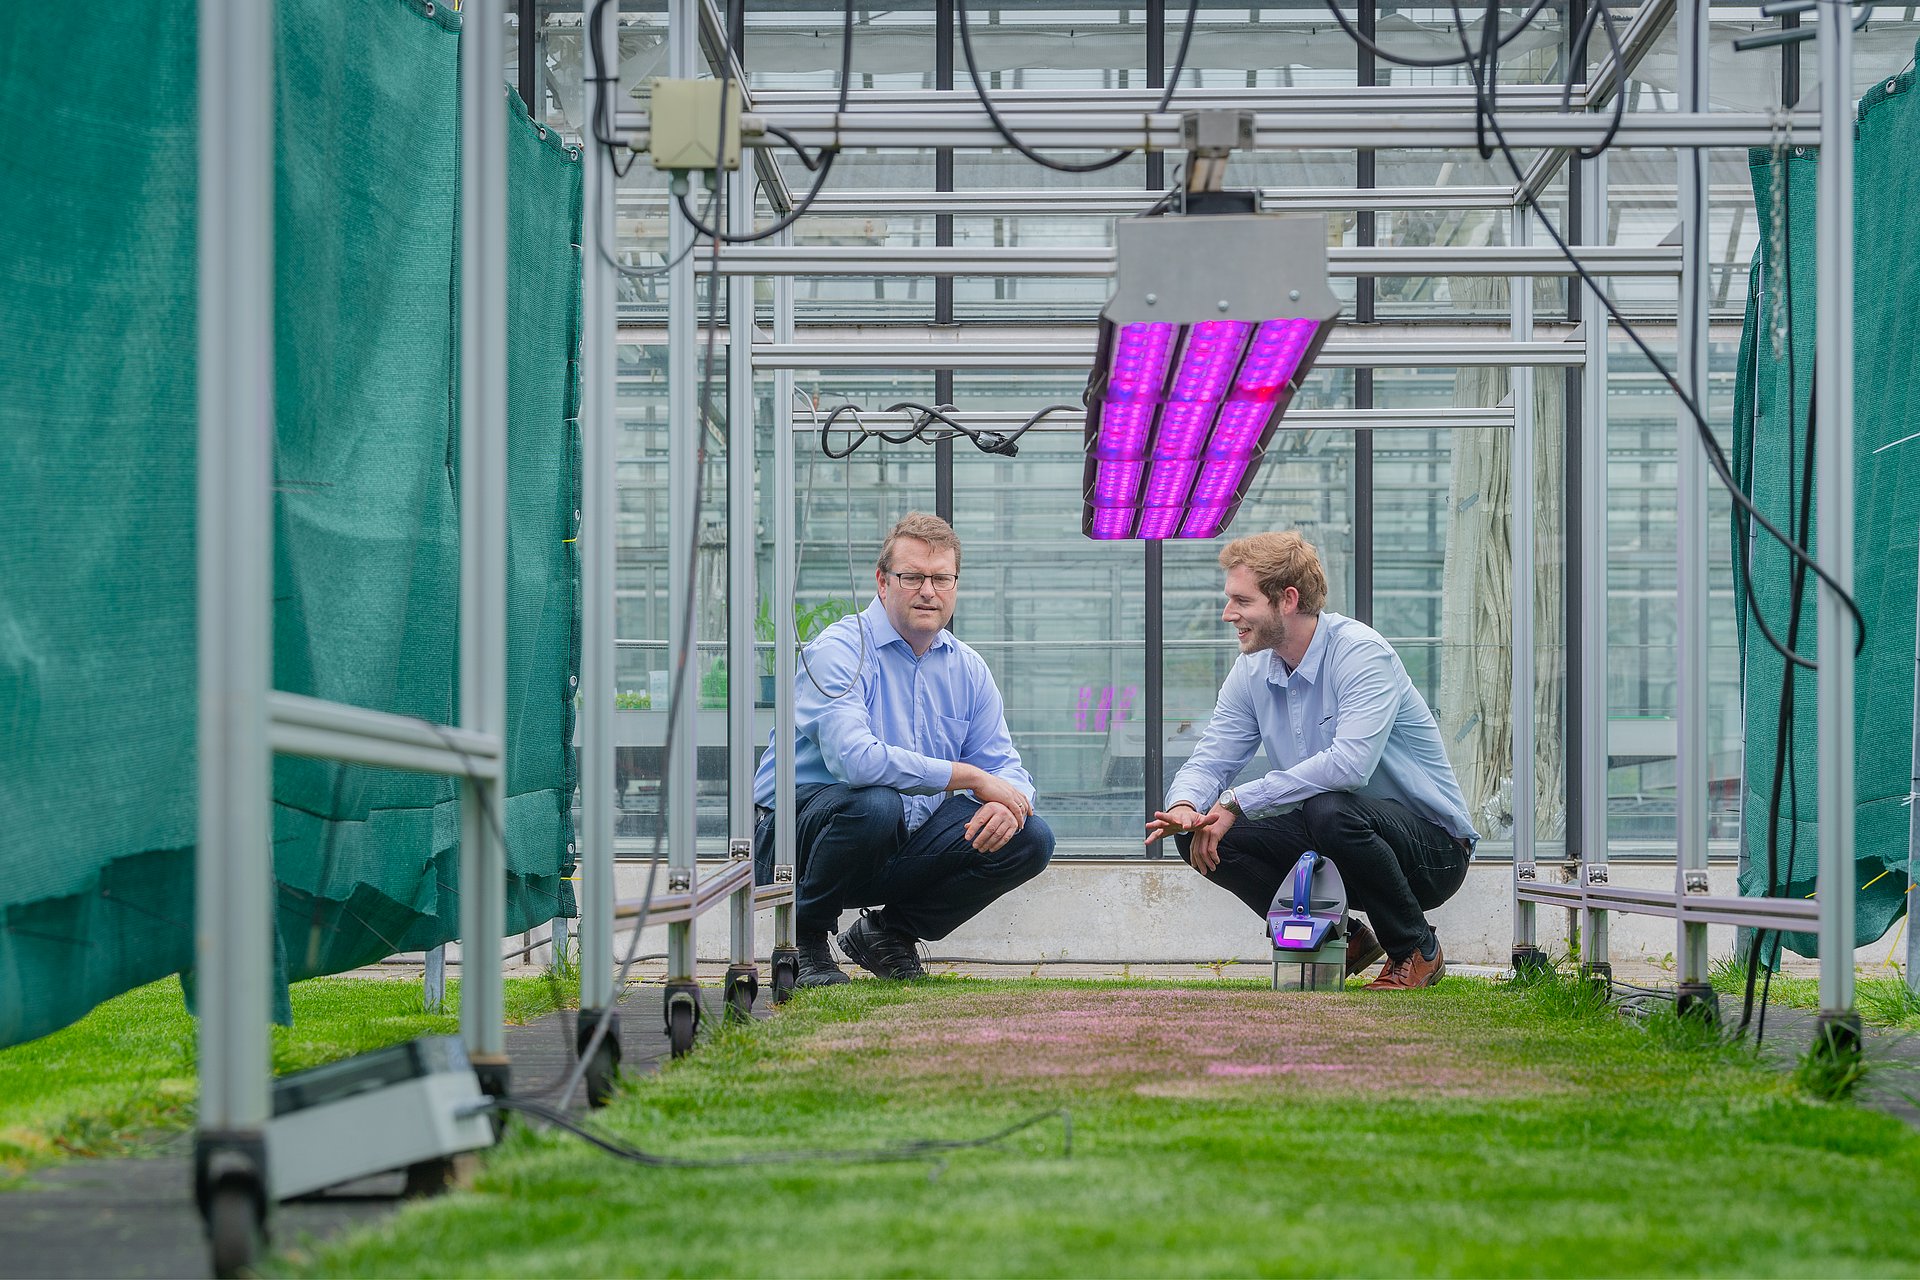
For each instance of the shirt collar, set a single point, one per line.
(884, 634)
(1309, 668)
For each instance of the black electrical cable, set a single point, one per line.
(1785, 763)
(1716, 457)
(925, 416)
(899, 1153)
(1064, 166)
(822, 164)
(1466, 59)
(1576, 58)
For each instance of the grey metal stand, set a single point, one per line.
(743, 975)
(598, 432)
(1520, 455)
(786, 960)
(1695, 992)
(1594, 961)
(1833, 479)
(248, 1152)
(684, 424)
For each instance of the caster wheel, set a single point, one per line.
(428, 1178)
(602, 1076)
(234, 1230)
(681, 1021)
(786, 977)
(742, 990)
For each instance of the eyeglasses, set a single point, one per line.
(914, 581)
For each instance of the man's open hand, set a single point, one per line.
(992, 827)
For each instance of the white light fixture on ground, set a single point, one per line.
(1213, 323)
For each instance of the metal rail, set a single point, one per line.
(1506, 261)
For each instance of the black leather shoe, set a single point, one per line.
(817, 965)
(887, 953)
(1362, 947)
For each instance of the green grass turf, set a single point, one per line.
(125, 1072)
(1882, 999)
(1218, 1129)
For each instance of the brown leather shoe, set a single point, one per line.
(1362, 947)
(1412, 971)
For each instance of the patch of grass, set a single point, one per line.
(112, 1081)
(1883, 1000)
(1218, 1128)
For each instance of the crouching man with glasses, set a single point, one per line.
(893, 720)
(1358, 771)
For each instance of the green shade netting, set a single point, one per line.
(1770, 449)
(97, 465)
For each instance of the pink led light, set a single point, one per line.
(1183, 427)
(1273, 358)
(1217, 482)
(1123, 429)
(1211, 355)
(1160, 522)
(1139, 362)
(1112, 522)
(1117, 484)
(1238, 432)
(1167, 486)
(1202, 522)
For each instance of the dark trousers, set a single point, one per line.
(853, 849)
(1395, 864)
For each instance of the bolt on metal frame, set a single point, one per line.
(243, 721)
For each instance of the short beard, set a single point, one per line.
(1270, 637)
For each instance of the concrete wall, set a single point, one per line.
(1162, 912)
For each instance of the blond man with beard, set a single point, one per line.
(1358, 772)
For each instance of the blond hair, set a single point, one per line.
(921, 527)
(1279, 561)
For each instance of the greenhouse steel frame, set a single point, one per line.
(1361, 118)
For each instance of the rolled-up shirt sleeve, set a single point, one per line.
(1365, 713)
(1230, 739)
(843, 728)
(989, 745)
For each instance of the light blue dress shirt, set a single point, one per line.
(1346, 719)
(904, 724)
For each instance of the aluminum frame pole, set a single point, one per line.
(786, 551)
(680, 794)
(598, 501)
(1695, 991)
(1913, 831)
(483, 526)
(1594, 961)
(1833, 463)
(233, 942)
(1520, 525)
(743, 593)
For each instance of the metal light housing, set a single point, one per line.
(1213, 323)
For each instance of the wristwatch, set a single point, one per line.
(1231, 803)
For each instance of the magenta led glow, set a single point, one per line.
(1218, 481)
(1112, 522)
(1168, 485)
(1212, 353)
(1139, 361)
(1241, 422)
(1160, 522)
(1117, 483)
(1273, 358)
(1183, 428)
(1203, 522)
(1123, 429)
